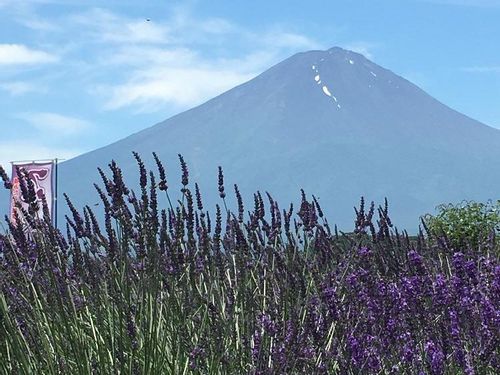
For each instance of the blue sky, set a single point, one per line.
(76, 75)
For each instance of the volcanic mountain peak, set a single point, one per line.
(331, 122)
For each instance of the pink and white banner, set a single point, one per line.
(42, 176)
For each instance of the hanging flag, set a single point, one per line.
(42, 176)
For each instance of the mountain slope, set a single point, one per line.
(331, 122)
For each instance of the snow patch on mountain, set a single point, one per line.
(326, 91)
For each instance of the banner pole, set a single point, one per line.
(55, 196)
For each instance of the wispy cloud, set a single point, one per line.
(482, 69)
(142, 63)
(105, 26)
(54, 123)
(13, 54)
(364, 48)
(17, 88)
(24, 3)
(32, 150)
(36, 23)
(284, 39)
(149, 89)
(181, 77)
(160, 62)
(140, 55)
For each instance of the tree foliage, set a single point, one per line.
(467, 223)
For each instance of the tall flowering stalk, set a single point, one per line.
(163, 289)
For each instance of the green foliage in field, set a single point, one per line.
(468, 223)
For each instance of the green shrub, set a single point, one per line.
(468, 223)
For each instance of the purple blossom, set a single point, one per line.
(257, 338)
(435, 358)
(195, 356)
(269, 326)
(352, 304)
(364, 252)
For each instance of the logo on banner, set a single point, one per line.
(41, 177)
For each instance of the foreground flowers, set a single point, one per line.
(168, 290)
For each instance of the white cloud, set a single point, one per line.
(364, 48)
(160, 64)
(182, 19)
(180, 28)
(181, 78)
(138, 32)
(105, 26)
(147, 64)
(37, 23)
(180, 86)
(24, 12)
(17, 88)
(32, 150)
(146, 56)
(283, 39)
(11, 54)
(177, 76)
(54, 124)
(216, 26)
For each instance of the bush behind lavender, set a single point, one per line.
(467, 223)
(260, 290)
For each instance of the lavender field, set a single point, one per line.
(252, 289)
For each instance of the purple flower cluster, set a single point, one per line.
(276, 294)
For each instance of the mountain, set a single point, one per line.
(331, 122)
